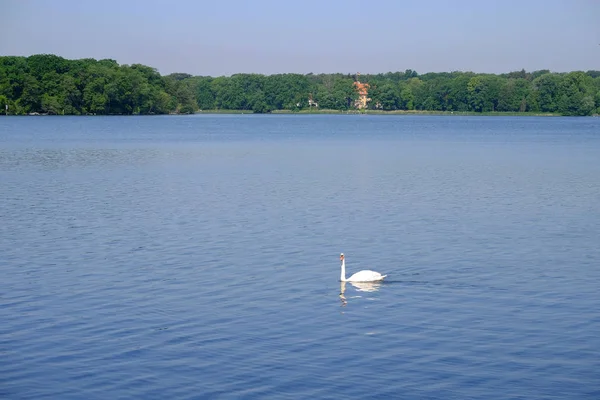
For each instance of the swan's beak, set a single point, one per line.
(341, 257)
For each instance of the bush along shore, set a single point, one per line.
(48, 84)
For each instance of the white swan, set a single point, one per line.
(361, 276)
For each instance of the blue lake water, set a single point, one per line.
(198, 257)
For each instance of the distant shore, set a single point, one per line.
(331, 112)
(394, 112)
(46, 84)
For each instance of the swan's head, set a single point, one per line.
(342, 257)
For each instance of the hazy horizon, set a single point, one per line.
(268, 37)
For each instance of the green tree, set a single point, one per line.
(52, 84)
(513, 95)
(576, 98)
(205, 97)
(385, 96)
(51, 104)
(30, 98)
(258, 103)
(3, 104)
(411, 93)
(547, 88)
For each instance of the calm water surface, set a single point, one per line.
(198, 257)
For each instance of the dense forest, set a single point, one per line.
(53, 85)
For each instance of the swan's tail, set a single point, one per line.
(383, 277)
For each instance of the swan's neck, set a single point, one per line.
(343, 277)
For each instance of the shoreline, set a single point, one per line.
(423, 112)
(319, 112)
(381, 112)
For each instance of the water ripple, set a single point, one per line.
(197, 257)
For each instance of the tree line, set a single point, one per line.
(54, 85)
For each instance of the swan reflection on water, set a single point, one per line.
(359, 286)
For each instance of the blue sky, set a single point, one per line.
(268, 36)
